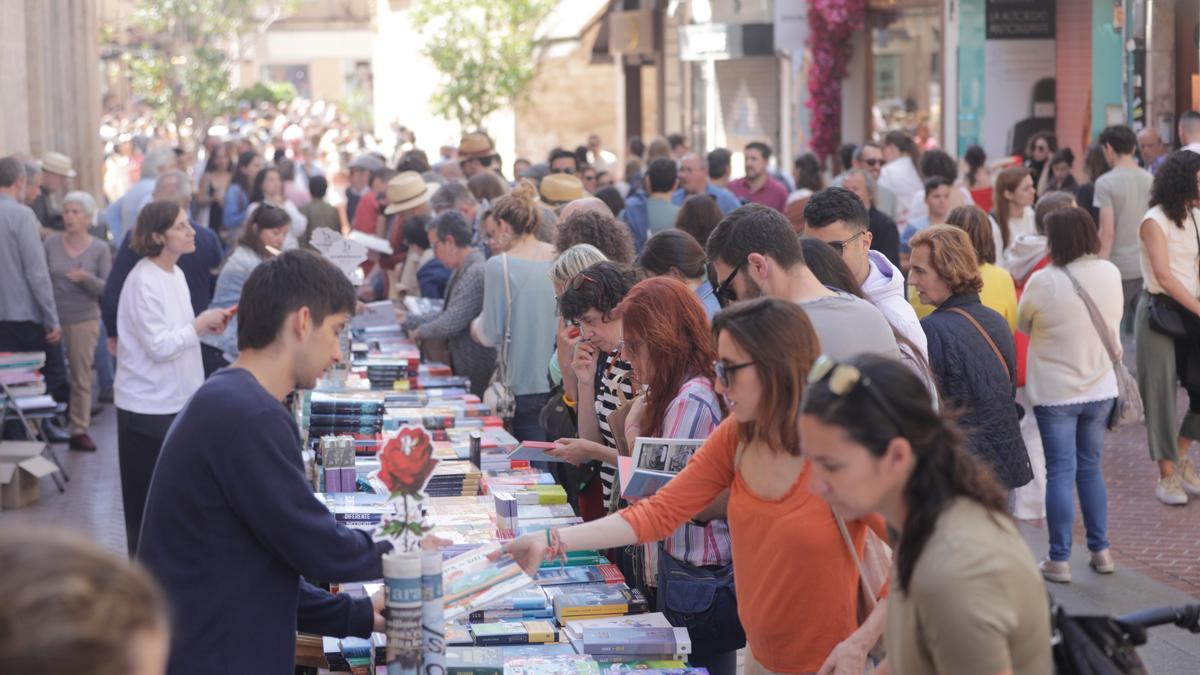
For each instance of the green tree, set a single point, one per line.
(483, 49)
(181, 66)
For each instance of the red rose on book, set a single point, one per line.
(406, 461)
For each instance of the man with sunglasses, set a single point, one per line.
(868, 157)
(838, 217)
(563, 161)
(755, 252)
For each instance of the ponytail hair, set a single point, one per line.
(942, 471)
(519, 208)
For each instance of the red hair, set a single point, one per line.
(666, 319)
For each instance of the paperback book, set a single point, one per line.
(653, 463)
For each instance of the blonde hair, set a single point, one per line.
(573, 261)
(70, 607)
(952, 257)
(519, 208)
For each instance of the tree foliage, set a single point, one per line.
(484, 51)
(181, 66)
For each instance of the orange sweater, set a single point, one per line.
(797, 586)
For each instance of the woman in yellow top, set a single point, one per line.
(999, 293)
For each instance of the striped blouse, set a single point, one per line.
(613, 388)
(695, 413)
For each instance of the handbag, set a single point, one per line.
(499, 395)
(1165, 314)
(1128, 408)
(703, 600)
(874, 570)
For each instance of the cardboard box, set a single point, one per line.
(22, 468)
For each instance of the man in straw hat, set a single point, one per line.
(560, 188)
(47, 206)
(476, 154)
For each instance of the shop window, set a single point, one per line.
(906, 58)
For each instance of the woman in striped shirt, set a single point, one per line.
(668, 343)
(603, 381)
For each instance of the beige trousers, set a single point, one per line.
(79, 341)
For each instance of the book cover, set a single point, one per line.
(553, 665)
(584, 574)
(534, 451)
(474, 661)
(597, 600)
(603, 641)
(651, 667)
(471, 581)
(540, 632)
(499, 633)
(525, 651)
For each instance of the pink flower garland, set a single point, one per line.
(832, 23)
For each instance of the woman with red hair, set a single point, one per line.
(667, 340)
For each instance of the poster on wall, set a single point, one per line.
(1019, 72)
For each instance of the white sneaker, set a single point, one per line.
(1057, 571)
(1188, 477)
(1170, 491)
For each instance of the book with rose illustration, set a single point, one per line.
(472, 581)
(654, 462)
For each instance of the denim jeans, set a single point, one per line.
(1073, 436)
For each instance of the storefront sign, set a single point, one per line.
(791, 26)
(1020, 19)
(723, 41)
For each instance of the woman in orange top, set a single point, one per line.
(797, 584)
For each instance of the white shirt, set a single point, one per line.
(1194, 147)
(158, 356)
(901, 177)
(1183, 252)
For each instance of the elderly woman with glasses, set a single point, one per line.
(966, 596)
(79, 263)
(783, 537)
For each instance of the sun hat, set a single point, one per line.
(405, 191)
(58, 163)
(560, 188)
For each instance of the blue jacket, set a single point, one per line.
(974, 381)
(237, 203)
(637, 217)
(726, 200)
(199, 267)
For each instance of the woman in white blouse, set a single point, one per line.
(1013, 214)
(158, 357)
(1071, 381)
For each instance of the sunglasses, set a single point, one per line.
(840, 246)
(843, 378)
(873, 162)
(724, 370)
(579, 280)
(724, 291)
(570, 171)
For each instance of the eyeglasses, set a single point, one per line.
(724, 370)
(840, 246)
(570, 171)
(844, 378)
(724, 291)
(873, 162)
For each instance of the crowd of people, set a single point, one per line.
(857, 350)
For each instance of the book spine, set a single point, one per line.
(499, 640)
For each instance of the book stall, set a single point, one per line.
(401, 449)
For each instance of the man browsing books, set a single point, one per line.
(231, 528)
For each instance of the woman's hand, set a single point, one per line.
(528, 550)
(583, 364)
(848, 658)
(574, 450)
(212, 321)
(77, 275)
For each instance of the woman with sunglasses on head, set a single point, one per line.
(667, 341)
(797, 584)
(966, 595)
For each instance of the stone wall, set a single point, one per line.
(569, 99)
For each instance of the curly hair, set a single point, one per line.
(600, 287)
(952, 256)
(1174, 187)
(601, 230)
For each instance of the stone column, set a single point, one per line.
(50, 72)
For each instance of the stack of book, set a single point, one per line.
(19, 373)
(625, 639)
(605, 573)
(588, 601)
(535, 632)
(491, 660)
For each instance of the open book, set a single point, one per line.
(653, 463)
